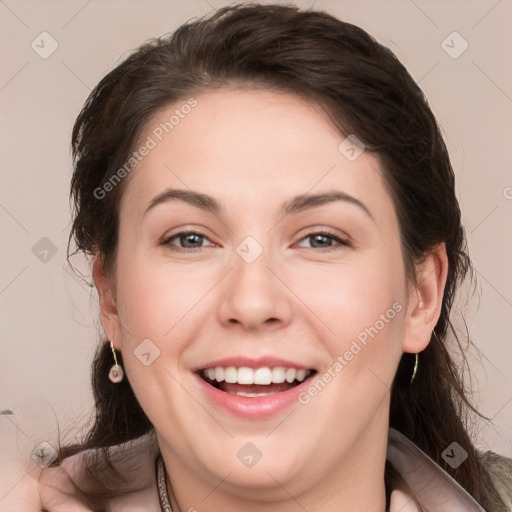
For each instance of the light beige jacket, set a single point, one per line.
(433, 488)
(429, 487)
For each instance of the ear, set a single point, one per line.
(426, 299)
(108, 309)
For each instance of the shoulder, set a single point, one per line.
(500, 471)
(43, 490)
(431, 486)
(89, 481)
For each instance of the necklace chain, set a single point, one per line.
(161, 483)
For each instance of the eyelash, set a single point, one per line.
(167, 241)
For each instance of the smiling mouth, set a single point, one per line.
(252, 383)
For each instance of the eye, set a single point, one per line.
(191, 240)
(188, 240)
(324, 239)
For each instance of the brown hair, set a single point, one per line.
(366, 91)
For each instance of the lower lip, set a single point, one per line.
(257, 407)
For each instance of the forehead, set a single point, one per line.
(249, 146)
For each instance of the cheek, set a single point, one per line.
(157, 306)
(362, 307)
(351, 297)
(364, 313)
(156, 297)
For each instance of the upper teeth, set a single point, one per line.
(263, 376)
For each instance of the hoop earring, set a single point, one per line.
(415, 369)
(116, 373)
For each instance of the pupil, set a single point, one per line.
(322, 238)
(190, 238)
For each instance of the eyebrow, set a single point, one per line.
(295, 205)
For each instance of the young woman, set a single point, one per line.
(276, 243)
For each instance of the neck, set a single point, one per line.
(371, 500)
(355, 484)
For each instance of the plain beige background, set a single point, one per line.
(49, 317)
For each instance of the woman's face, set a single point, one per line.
(259, 287)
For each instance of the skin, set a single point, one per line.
(253, 150)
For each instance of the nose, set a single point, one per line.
(253, 297)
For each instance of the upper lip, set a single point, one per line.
(260, 362)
